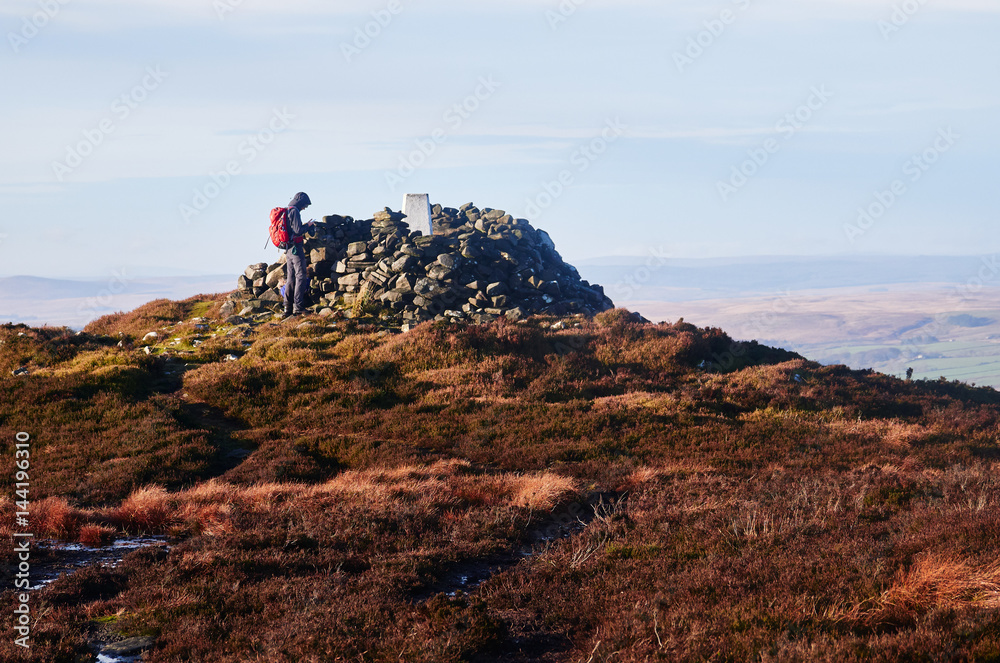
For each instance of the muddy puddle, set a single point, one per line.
(64, 558)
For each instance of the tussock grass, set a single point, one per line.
(211, 507)
(931, 583)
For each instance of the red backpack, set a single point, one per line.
(280, 236)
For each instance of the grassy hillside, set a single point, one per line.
(554, 490)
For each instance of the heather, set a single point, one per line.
(610, 489)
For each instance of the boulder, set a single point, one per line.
(350, 279)
(253, 271)
(274, 278)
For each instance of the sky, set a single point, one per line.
(152, 137)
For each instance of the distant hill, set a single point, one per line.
(652, 278)
(74, 303)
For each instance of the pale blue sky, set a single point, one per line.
(537, 90)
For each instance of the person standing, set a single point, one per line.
(296, 266)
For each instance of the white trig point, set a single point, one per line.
(417, 208)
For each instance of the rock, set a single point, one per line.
(151, 337)
(405, 283)
(394, 296)
(356, 248)
(515, 314)
(272, 296)
(274, 278)
(19, 371)
(545, 240)
(439, 272)
(350, 280)
(404, 264)
(551, 288)
(496, 289)
(256, 271)
(128, 647)
(448, 260)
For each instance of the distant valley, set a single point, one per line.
(937, 315)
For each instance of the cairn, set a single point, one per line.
(477, 266)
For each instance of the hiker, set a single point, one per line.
(296, 275)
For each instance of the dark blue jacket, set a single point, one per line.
(295, 226)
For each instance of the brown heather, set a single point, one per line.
(612, 491)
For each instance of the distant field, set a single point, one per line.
(935, 329)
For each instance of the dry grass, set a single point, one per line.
(931, 582)
(209, 508)
(54, 517)
(97, 535)
(146, 510)
(892, 432)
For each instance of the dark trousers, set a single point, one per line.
(296, 280)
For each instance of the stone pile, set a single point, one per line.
(477, 266)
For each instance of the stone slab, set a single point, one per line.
(417, 208)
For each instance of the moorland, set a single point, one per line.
(576, 489)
